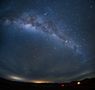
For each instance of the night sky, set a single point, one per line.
(47, 40)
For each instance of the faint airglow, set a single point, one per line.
(78, 83)
(40, 81)
(16, 78)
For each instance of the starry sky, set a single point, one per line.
(50, 40)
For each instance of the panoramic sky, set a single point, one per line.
(47, 40)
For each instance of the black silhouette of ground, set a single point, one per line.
(84, 84)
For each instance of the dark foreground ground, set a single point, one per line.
(87, 84)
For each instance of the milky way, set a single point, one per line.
(46, 26)
(47, 41)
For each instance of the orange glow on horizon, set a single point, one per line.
(62, 85)
(40, 81)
